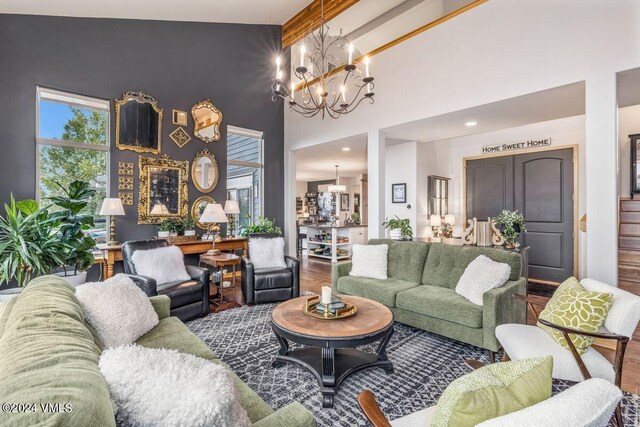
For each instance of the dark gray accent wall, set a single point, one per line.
(178, 63)
(312, 186)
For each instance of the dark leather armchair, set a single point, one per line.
(261, 285)
(189, 299)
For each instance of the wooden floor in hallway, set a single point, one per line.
(316, 272)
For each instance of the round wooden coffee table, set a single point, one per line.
(330, 352)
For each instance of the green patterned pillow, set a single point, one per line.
(574, 307)
(494, 390)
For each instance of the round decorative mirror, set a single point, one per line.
(198, 207)
(204, 171)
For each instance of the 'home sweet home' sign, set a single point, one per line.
(530, 143)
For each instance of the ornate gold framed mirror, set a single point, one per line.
(138, 123)
(163, 190)
(206, 121)
(198, 207)
(204, 171)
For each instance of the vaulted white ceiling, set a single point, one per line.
(234, 11)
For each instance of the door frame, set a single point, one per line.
(576, 194)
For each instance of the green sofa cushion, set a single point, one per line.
(446, 263)
(383, 291)
(49, 356)
(405, 260)
(441, 303)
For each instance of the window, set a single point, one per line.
(245, 173)
(72, 137)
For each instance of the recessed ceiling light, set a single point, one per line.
(346, 149)
(470, 124)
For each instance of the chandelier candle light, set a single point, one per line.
(323, 75)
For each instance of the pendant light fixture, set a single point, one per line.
(337, 188)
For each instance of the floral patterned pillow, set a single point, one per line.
(574, 307)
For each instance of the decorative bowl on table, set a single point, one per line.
(337, 309)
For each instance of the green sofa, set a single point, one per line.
(49, 355)
(420, 290)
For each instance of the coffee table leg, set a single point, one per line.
(382, 352)
(284, 349)
(328, 377)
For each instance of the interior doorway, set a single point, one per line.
(540, 184)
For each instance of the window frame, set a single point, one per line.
(40, 141)
(234, 130)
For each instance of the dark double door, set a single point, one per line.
(540, 186)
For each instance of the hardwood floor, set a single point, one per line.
(315, 272)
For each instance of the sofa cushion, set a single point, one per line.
(405, 260)
(272, 278)
(172, 334)
(446, 263)
(383, 291)
(45, 340)
(441, 303)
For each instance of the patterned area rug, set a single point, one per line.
(424, 365)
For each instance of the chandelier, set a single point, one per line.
(319, 75)
(337, 188)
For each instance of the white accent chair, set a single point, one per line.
(525, 341)
(590, 404)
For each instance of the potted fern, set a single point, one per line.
(399, 229)
(511, 224)
(262, 225)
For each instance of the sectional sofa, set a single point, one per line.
(48, 354)
(420, 290)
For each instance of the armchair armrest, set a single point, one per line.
(198, 273)
(500, 307)
(294, 265)
(162, 305)
(373, 413)
(603, 335)
(247, 280)
(147, 284)
(294, 414)
(339, 270)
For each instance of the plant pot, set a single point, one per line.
(163, 234)
(395, 234)
(189, 232)
(74, 280)
(7, 295)
(173, 234)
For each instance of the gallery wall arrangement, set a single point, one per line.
(191, 80)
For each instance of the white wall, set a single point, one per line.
(401, 167)
(628, 124)
(500, 50)
(433, 159)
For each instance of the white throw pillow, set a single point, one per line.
(624, 314)
(117, 309)
(481, 275)
(369, 261)
(160, 387)
(267, 253)
(162, 264)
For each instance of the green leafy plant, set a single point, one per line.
(71, 224)
(403, 224)
(355, 217)
(30, 245)
(188, 223)
(262, 225)
(172, 225)
(511, 224)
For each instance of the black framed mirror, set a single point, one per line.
(138, 123)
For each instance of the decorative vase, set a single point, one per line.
(163, 234)
(189, 232)
(395, 234)
(74, 280)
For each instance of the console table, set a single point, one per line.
(113, 254)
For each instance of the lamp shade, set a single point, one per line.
(231, 207)
(213, 213)
(436, 220)
(337, 188)
(450, 219)
(112, 206)
(159, 209)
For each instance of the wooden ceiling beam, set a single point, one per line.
(308, 19)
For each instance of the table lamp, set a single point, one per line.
(448, 223)
(231, 208)
(213, 214)
(112, 207)
(436, 222)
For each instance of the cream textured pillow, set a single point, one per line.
(481, 275)
(162, 264)
(117, 309)
(369, 261)
(267, 253)
(160, 387)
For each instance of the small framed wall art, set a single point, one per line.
(126, 198)
(180, 137)
(179, 117)
(125, 183)
(399, 193)
(125, 168)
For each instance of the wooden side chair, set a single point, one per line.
(526, 341)
(590, 404)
